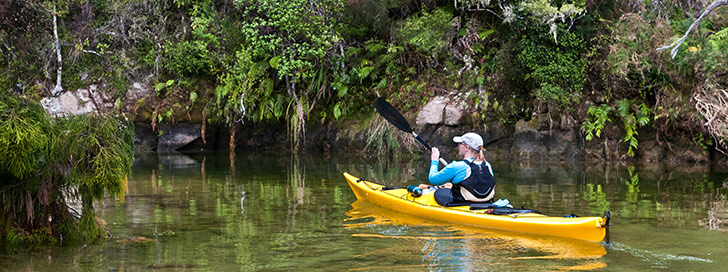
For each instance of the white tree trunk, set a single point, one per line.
(59, 88)
(675, 45)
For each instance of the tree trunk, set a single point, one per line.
(58, 89)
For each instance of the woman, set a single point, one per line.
(472, 178)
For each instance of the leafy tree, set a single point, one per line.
(44, 161)
(302, 60)
(284, 43)
(711, 97)
(198, 56)
(683, 95)
(550, 55)
(675, 45)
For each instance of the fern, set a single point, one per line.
(719, 39)
(426, 32)
(374, 46)
(595, 125)
(632, 120)
(623, 106)
(599, 116)
(630, 124)
(643, 115)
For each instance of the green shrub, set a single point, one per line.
(16, 239)
(427, 31)
(189, 58)
(556, 70)
(41, 158)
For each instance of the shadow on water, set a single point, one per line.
(273, 212)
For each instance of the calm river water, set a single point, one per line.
(269, 212)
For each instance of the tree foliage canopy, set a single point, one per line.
(325, 60)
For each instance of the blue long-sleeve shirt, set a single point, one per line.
(454, 172)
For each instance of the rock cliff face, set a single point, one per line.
(77, 102)
(540, 139)
(167, 137)
(441, 111)
(544, 139)
(170, 138)
(535, 140)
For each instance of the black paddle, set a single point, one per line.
(395, 118)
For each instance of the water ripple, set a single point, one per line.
(659, 260)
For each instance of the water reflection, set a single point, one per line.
(297, 183)
(467, 248)
(597, 198)
(633, 186)
(716, 218)
(242, 198)
(266, 212)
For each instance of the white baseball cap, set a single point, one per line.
(471, 139)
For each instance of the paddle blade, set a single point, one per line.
(392, 115)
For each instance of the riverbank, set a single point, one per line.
(537, 140)
(543, 137)
(530, 83)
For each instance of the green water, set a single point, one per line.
(268, 212)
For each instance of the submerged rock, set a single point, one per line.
(136, 239)
(176, 136)
(145, 139)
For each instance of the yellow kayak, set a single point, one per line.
(583, 228)
(364, 214)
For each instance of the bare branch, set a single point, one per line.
(494, 13)
(675, 45)
(91, 51)
(712, 103)
(571, 23)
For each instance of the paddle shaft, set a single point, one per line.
(443, 161)
(391, 114)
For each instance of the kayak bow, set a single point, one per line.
(583, 228)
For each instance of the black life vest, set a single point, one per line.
(480, 183)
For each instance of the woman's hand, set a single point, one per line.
(435, 154)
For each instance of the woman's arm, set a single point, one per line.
(445, 175)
